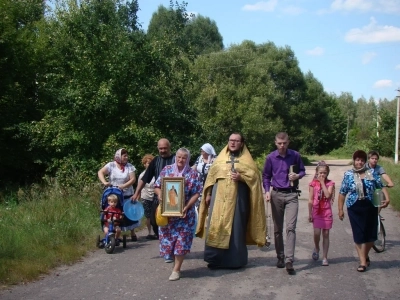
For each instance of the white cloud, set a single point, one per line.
(349, 5)
(293, 10)
(383, 6)
(317, 51)
(373, 33)
(397, 67)
(383, 83)
(367, 57)
(261, 6)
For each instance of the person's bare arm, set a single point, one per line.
(310, 203)
(387, 199)
(139, 188)
(102, 176)
(388, 180)
(157, 191)
(341, 199)
(131, 181)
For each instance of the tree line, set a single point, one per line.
(80, 79)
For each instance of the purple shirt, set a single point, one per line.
(277, 167)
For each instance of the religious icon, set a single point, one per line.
(173, 196)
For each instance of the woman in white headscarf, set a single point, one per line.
(122, 175)
(204, 161)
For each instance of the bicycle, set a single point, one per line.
(380, 243)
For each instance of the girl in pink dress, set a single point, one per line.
(321, 193)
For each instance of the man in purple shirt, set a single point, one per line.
(283, 196)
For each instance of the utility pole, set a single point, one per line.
(347, 131)
(396, 149)
(377, 118)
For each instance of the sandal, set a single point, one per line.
(315, 255)
(325, 262)
(368, 261)
(361, 268)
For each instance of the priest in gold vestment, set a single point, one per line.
(232, 212)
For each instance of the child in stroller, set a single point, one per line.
(111, 219)
(112, 213)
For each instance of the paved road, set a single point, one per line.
(138, 273)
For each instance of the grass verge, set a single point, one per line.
(45, 228)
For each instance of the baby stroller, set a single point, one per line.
(109, 241)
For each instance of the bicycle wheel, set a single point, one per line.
(110, 245)
(379, 244)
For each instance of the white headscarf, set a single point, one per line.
(207, 148)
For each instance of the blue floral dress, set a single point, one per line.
(177, 236)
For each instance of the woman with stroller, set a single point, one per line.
(177, 236)
(122, 175)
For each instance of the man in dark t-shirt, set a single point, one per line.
(164, 158)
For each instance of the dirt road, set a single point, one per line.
(137, 272)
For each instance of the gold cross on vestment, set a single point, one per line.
(232, 162)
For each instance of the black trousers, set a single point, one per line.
(153, 215)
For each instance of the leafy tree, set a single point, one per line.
(347, 107)
(193, 34)
(365, 121)
(20, 62)
(169, 24)
(323, 128)
(384, 142)
(202, 35)
(260, 90)
(112, 88)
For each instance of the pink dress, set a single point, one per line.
(322, 208)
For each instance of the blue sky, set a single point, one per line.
(349, 45)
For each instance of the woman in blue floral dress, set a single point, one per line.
(177, 236)
(359, 185)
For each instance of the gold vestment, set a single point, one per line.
(221, 221)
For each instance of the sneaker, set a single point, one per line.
(280, 263)
(134, 238)
(117, 241)
(168, 260)
(289, 267)
(175, 276)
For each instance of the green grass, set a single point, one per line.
(393, 170)
(44, 228)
